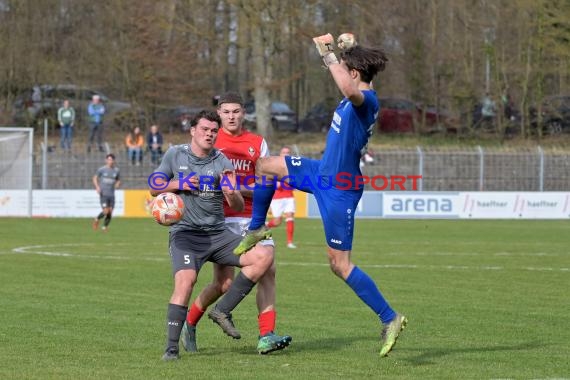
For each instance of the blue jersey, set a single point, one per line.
(348, 135)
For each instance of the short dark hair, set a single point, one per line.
(367, 61)
(110, 155)
(205, 114)
(230, 97)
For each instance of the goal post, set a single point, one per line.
(16, 165)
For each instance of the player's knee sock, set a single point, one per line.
(366, 289)
(107, 220)
(266, 322)
(241, 286)
(271, 223)
(290, 228)
(194, 314)
(174, 321)
(262, 195)
(101, 214)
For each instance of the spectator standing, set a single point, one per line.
(66, 119)
(154, 143)
(96, 112)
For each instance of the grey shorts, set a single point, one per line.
(190, 250)
(107, 201)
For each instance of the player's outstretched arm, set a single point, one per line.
(343, 78)
(231, 192)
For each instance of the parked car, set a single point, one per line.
(283, 118)
(40, 102)
(404, 116)
(176, 118)
(396, 116)
(555, 115)
(319, 117)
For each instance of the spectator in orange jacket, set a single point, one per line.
(135, 143)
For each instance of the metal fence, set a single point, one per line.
(470, 169)
(477, 169)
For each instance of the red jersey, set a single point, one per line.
(283, 192)
(243, 151)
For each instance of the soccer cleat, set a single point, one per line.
(251, 238)
(95, 224)
(171, 353)
(189, 337)
(390, 333)
(225, 322)
(271, 342)
(291, 245)
(105, 229)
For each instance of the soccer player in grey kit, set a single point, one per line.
(203, 177)
(106, 180)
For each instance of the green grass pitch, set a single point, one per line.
(485, 300)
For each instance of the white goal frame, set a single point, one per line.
(27, 186)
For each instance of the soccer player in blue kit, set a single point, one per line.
(347, 139)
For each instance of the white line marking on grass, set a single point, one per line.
(42, 250)
(457, 254)
(413, 266)
(30, 250)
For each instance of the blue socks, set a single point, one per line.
(366, 289)
(262, 196)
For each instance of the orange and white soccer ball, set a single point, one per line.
(167, 209)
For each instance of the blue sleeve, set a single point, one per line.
(368, 111)
(369, 103)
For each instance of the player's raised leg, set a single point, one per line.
(267, 170)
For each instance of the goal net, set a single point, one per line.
(16, 155)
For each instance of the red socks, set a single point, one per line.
(271, 224)
(194, 315)
(266, 322)
(290, 226)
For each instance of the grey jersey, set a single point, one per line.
(107, 178)
(203, 207)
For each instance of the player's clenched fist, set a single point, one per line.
(325, 47)
(346, 41)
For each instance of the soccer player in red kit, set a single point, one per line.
(243, 148)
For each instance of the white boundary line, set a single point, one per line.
(43, 250)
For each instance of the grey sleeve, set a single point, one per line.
(167, 162)
(226, 163)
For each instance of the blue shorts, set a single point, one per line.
(337, 207)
